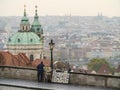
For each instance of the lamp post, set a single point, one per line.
(51, 44)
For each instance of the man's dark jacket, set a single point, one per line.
(40, 68)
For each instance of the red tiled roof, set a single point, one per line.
(38, 61)
(118, 69)
(21, 59)
(24, 58)
(104, 69)
(8, 59)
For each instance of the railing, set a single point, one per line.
(18, 72)
(109, 81)
(26, 73)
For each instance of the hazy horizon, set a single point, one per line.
(108, 8)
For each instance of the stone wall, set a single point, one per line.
(18, 73)
(95, 80)
(74, 78)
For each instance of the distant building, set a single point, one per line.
(104, 69)
(117, 71)
(29, 39)
(3, 39)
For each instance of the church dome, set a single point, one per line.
(24, 38)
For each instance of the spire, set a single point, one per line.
(24, 25)
(36, 10)
(24, 10)
(36, 17)
(36, 26)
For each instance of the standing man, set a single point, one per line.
(40, 71)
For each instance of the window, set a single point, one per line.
(26, 28)
(33, 29)
(9, 40)
(23, 27)
(38, 29)
(31, 39)
(42, 30)
(31, 57)
(18, 40)
(40, 56)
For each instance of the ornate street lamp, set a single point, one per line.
(51, 44)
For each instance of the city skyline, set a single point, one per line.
(62, 7)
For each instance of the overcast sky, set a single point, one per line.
(60, 7)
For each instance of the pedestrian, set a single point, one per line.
(40, 71)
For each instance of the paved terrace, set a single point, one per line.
(21, 77)
(16, 84)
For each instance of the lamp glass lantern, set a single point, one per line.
(51, 44)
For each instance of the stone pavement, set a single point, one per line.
(34, 85)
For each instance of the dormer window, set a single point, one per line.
(9, 40)
(31, 39)
(18, 40)
(38, 29)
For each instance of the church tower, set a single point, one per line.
(27, 41)
(36, 26)
(24, 25)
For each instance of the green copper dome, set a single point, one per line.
(24, 38)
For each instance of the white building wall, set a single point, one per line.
(35, 50)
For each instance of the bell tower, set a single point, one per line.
(24, 25)
(36, 26)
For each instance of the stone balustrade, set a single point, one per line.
(74, 78)
(94, 80)
(18, 73)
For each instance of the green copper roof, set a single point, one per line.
(24, 20)
(36, 27)
(36, 21)
(20, 38)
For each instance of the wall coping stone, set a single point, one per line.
(109, 76)
(18, 67)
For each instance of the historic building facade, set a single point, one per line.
(29, 38)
